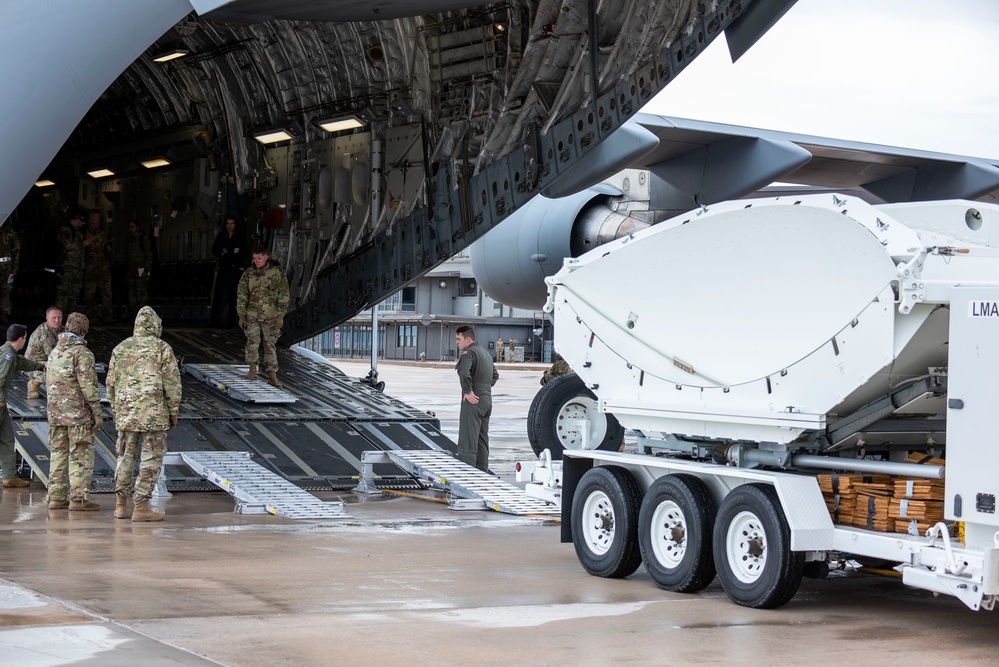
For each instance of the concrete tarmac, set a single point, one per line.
(409, 581)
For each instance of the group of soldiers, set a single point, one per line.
(143, 379)
(144, 390)
(83, 264)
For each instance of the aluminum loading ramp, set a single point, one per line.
(256, 489)
(445, 472)
(231, 379)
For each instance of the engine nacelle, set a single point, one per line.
(511, 262)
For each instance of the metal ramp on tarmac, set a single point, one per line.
(256, 489)
(459, 479)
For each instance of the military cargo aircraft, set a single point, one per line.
(364, 141)
(398, 132)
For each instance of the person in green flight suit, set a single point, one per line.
(477, 375)
(10, 363)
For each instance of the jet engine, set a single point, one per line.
(511, 262)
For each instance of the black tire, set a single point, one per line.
(563, 398)
(605, 522)
(752, 549)
(674, 533)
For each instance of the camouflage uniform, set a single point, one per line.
(10, 257)
(144, 390)
(10, 363)
(97, 274)
(262, 297)
(477, 373)
(140, 263)
(71, 240)
(40, 345)
(74, 407)
(560, 367)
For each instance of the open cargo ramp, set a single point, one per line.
(311, 433)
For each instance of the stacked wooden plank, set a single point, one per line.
(842, 496)
(918, 504)
(873, 503)
(841, 499)
(884, 503)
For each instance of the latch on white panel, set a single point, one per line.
(911, 288)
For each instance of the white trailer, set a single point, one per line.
(751, 345)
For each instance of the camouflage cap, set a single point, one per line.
(78, 324)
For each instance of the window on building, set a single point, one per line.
(391, 303)
(408, 299)
(407, 335)
(467, 287)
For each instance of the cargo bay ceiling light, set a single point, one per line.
(43, 183)
(339, 124)
(154, 162)
(272, 136)
(100, 173)
(171, 53)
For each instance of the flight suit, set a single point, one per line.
(476, 373)
(10, 256)
(10, 362)
(140, 264)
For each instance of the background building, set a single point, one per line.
(419, 321)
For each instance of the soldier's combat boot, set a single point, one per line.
(143, 513)
(33, 386)
(121, 507)
(252, 375)
(272, 379)
(15, 483)
(56, 504)
(83, 506)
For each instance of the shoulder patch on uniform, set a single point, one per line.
(8, 356)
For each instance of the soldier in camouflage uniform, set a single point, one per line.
(97, 268)
(560, 367)
(70, 238)
(10, 363)
(40, 345)
(262, 298)
(10, 259)
(144, 390)
(140, 264)
(74, 411)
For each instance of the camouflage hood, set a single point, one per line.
(148, 323)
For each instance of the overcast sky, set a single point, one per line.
(911, 73)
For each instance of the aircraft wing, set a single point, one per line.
(700, 163)
(711, 162)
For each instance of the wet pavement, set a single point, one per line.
(411, 582)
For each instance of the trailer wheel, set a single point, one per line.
(605, 522)
(674, 528)
(558, 409)
(752, 549)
